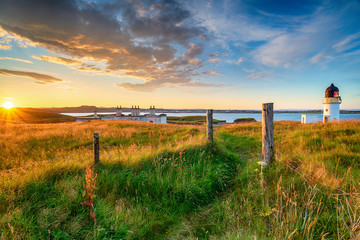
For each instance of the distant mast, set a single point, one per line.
(331, 104)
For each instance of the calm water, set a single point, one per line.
(230, 117)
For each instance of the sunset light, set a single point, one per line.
(180, 54)
(172, 119)
(8, 105)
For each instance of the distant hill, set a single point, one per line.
(32, 115)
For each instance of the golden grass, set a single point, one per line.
(325, 153)
(35, 151)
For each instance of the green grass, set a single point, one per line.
(302, 200)
(244, 120)
(187, 190)
(141, 192)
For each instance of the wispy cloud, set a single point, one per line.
(240, 60)
(347, 43)
(228, 25)
(257, 75)
(214, 60)
(16, 59)
(59, 60)
(215, 56)
(316, 40)
(39, 77)
(321, 58)
(249, 70)
(198, 84)
(92, 68)
(212, 72)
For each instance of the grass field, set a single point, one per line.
(165, 182)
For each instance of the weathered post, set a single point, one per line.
(209, 124)
(267, 133)
(96, 149)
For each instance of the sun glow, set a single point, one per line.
(8, 105)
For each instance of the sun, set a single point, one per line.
(8, 105)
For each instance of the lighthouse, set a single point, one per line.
(331, 103)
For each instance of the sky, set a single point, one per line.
(179, 54)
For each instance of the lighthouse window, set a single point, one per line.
(336, 94)
(326, 110)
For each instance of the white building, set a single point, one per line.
(134, 116)
(309, 118)
(331, 103)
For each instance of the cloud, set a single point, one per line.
(156, 42)
(90, 68)
(229, 24)
(347, 43)
(257, 75)
(249, 70)
(215, 56)
(318, 39)
(6, 40)
(80, 66)
(212, 72)
(320, 57)
(16, 59)
(198, 84)
(40, 78)
(214, 60)
(59, 60)
(240, 60)
(142, 87)
(5, 46)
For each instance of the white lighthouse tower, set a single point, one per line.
(331, 103)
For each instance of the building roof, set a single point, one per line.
(331, 90)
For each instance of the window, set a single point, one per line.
(326, 110)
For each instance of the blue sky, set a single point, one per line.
(179, 54)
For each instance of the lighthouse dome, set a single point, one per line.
(332, 91)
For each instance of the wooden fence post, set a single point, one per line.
(96, 149)
(209, 124)
(267, 133)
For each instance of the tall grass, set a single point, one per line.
(26, 143)
(141, 191)
(178, 187)
(311, 192)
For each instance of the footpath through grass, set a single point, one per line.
(311, 191)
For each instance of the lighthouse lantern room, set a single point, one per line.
(331, 103)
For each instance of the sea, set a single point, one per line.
(230, 117)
